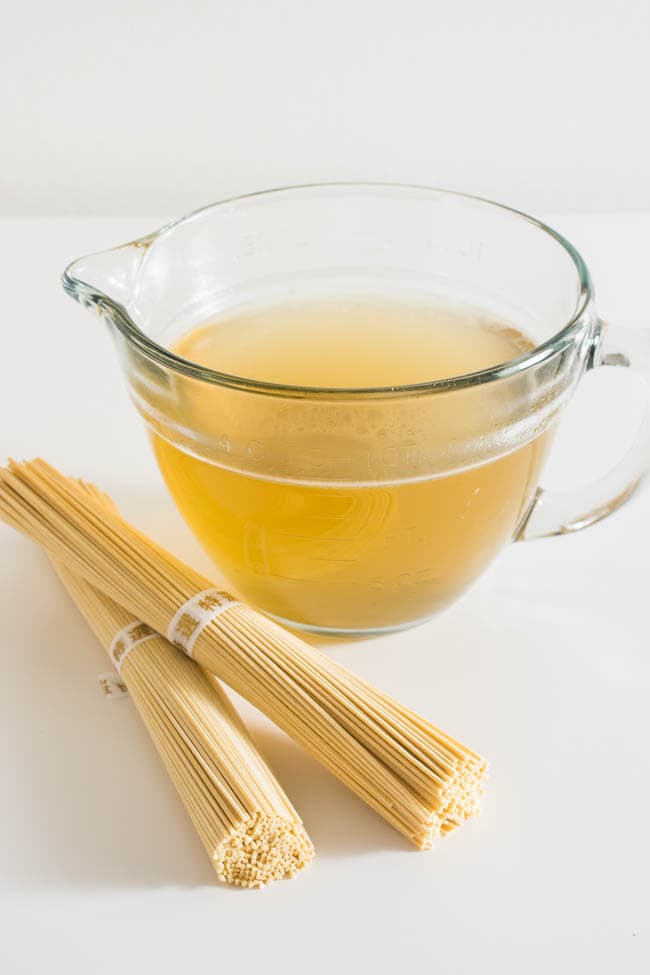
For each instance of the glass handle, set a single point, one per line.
(561, 512)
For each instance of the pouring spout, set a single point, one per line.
(105, 281)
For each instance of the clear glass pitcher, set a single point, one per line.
(362, 509)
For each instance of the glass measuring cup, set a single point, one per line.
(360, 510)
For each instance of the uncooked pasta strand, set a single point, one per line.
(421, 780)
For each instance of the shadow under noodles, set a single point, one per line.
(338, 822)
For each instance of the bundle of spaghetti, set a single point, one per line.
(421, 780)
(248, 827)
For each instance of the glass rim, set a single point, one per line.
(171, 360)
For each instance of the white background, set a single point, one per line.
(147, 105)
(145, 110)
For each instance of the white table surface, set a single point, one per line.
(544, 667)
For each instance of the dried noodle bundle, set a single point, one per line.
(248, 827)
(419, 779)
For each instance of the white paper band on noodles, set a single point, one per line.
(127, 640)
(193, 617)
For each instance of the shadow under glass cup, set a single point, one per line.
(364, 509)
